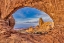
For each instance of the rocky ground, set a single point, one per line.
(54, 36)
(8, 35)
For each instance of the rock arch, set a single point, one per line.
(55, 8)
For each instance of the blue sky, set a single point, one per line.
(27, 16)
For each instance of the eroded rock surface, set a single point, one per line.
(11, 21)
(55, 8)
(30, 30)
(42, 27)
(54, 36)
(41, 22)
(4, 28)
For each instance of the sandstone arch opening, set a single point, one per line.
(28, 16)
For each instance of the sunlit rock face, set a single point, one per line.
(40, 22)
(43, 27)
(37, 27)
(30, 30)
(47, 26)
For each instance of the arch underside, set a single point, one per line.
(52, 7)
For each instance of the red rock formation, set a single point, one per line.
(37, 27)
(40, 22)
(8, 7)
(54, 36)
(30, 30)
(43, 27)
(11, 21)
(54, 8)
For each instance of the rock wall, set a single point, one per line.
(11, 21)
(55, 8)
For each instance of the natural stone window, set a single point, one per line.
(28, 16)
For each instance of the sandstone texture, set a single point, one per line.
(54, 36)
(54, 8)
(40, 22)
(42, 27)
(11, 21)
(30, 30)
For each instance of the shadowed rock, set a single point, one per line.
(11, 21)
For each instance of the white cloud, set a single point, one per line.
(44, 16)
(29, 20)
(24, 25)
